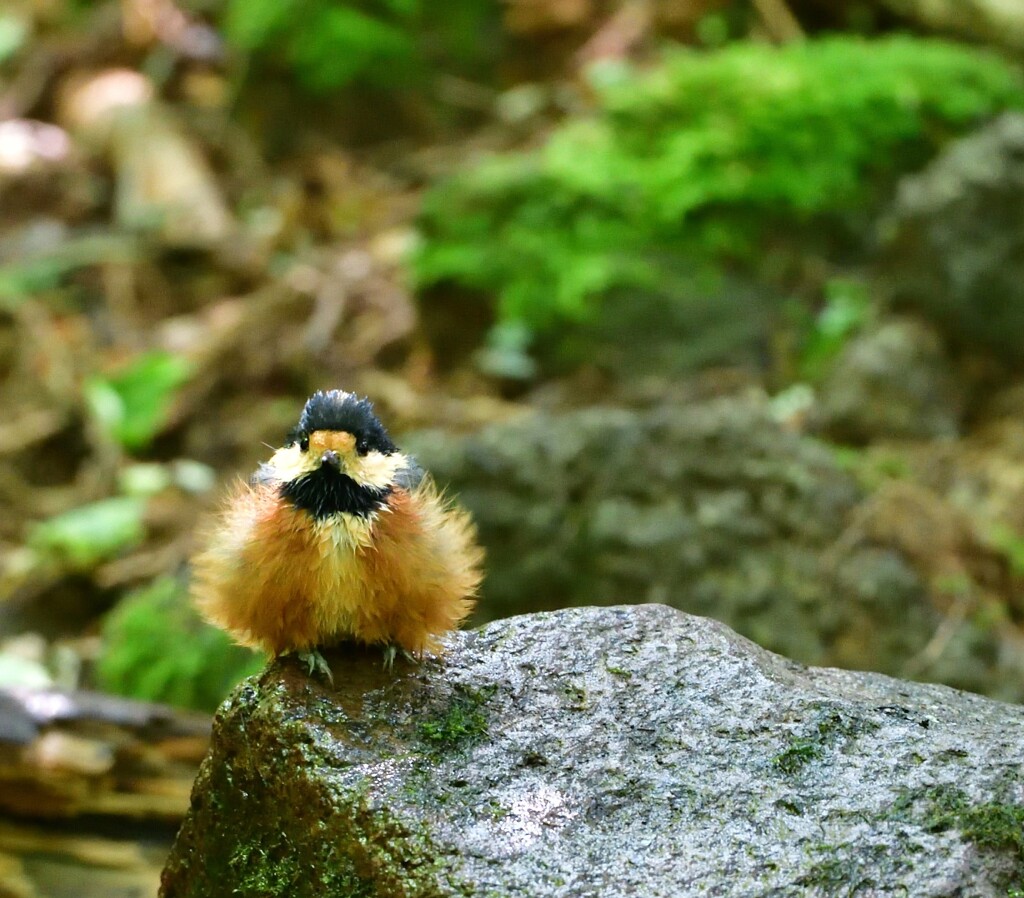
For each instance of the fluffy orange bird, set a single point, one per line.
(339, 536)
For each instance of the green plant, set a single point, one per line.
(1010, 543)
(846, 310)
(328, 44)
(89, 534)
(700, 162)
(132, 404)
(14, 33)
(155, 647)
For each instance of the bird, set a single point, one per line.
(339, 536)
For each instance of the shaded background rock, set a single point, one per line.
(695, 320)
(892, 382)
(603, 751)
(955, 239)
(718, 509)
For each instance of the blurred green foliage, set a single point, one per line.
(1010, 543)
(156, 648)
(823, 335)
(89, 534)
(131, 406)
(874, 468)
(328, 44)
(35, 273)
(13, 35)
(22, 280)
(706, 157)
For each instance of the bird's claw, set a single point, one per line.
(316, 662)
(391, 652)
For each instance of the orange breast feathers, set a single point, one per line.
(277, 578)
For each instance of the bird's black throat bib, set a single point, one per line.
(328, 492)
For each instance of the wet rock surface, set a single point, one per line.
(714, 507)
(598, 752)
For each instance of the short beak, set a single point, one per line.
(330, 457)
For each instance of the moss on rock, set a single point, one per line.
(523, 764)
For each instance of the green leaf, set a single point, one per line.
(347, 43)
(13, 34)
(132, 405)
(252, 23)
(91, 533)
(846, 311)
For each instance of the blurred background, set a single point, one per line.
(717, 303)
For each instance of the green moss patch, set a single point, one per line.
(699, 161)
(854, 869)
(797, 755)
(462, 723)
(992, 825)
(265, 824)
(823, 732)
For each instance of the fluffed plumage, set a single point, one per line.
(338, 536)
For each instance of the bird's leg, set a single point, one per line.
(391, 652)
(316, 662)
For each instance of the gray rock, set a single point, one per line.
(713, 507)
(603, 752)
(955, 239)
(893, 381)
(689, 323)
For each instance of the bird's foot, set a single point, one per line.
(316, 662)
(392, 651)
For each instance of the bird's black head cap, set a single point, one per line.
(338, 410)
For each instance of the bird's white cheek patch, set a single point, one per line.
(375, 469)
(291, 462)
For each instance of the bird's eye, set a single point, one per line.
(304, 442)
(362, 447)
